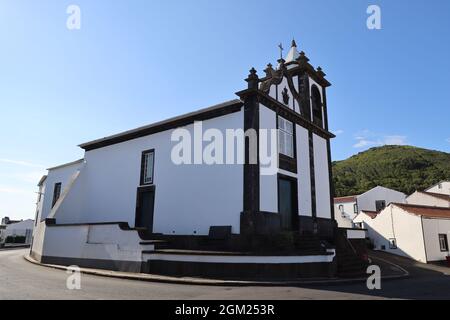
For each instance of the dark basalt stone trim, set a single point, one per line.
(230, 253)
(260, 223)
(114, 265)
(286, 112)
(242, 271)
(205, 114)
(251, 171)
(302, 67)
(287, 163)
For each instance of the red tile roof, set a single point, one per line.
(425, 211)
(345, 199)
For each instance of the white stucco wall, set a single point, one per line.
(442, 188)
(423, 199)
(189, 198)
(322, 178)
(61, 175)
(395, 223)
(268, 184)
(304, 172)
(103, 242)
(276, 92)
(367, 200)
(432, 228)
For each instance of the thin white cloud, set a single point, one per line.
(395, 140)
(367, 138)
(338, 132)
(363, 143)
(22, 163)
(6, 189)
(448, 140)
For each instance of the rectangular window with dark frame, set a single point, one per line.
(380, 205)
(443, 242)
(286, 137)
(56, 193)
(147, 167)
(355, 208)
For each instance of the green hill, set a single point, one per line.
(402, 168)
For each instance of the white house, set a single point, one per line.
(374, 200)
(10, 230)
(128, 188)
(442, 187)
(415, 231)
(429, 199)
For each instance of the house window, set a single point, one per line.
(355, 208)
(37, 217)
(443, 242)
(380, 205)
(147, 167)
(341, 208)
(285, 137)
(56, 193)
(392, 244)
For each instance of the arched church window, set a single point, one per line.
(317, 106)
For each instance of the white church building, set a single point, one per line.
(127, 205)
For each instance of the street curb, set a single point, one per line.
(213, 282)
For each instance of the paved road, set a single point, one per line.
(20, 279)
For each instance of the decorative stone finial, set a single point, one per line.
(269, 70)
(320, 72)
(252, 79)
(302, 57)
(294, 44)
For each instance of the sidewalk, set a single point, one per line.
(390, 271)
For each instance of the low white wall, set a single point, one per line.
(100, 242)
(356, 234)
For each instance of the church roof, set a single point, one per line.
(172, 123)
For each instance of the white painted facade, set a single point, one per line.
(22, 229)
(442, 188)
(427, 199)
(346, 210)
(416, 236)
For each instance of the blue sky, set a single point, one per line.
(135, 62)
